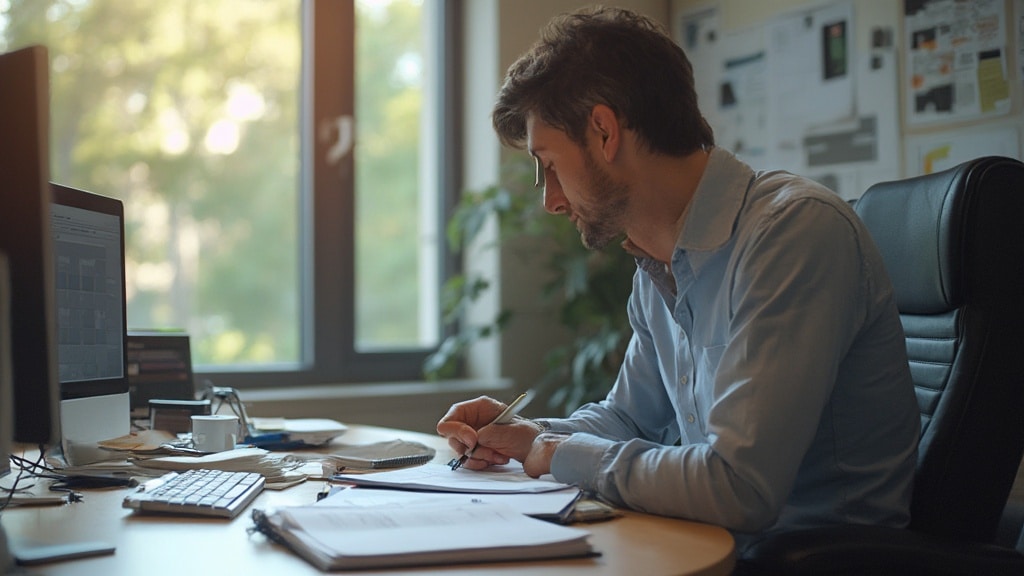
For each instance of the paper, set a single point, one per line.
(29, 491)
(507, 479)
(280, 471)
(553, 506)
(312, 431)
(957, 60)
(144, 440)
(420, 534)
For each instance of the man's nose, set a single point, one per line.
(554, 200)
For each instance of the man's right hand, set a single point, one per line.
(466, 425)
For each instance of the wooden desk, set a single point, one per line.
(158, 545)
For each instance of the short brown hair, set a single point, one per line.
(608, 56)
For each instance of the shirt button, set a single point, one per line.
(683, 380)
(690, 418)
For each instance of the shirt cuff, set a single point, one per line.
(577, 460)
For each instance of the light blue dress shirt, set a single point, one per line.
(766, 384)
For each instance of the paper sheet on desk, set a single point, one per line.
(507, 479)
(30, 492)
(555, 506)
(312, 431)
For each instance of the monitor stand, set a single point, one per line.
(84, 422)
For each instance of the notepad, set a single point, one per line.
(332, 538)
(380, 455)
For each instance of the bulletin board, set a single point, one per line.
(786, 93)
(853, 93)
(957, 56)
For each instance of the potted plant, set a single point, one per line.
(587, 290)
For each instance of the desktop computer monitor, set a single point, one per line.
(6, 388)
(31, 394)
(88, 255)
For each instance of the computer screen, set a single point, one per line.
(89, 278)
(88, 255)
(25, 239)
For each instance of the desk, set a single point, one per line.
(157, 545)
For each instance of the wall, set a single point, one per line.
(908, 140)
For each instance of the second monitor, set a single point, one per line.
(88, 255)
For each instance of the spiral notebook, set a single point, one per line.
(380, 455)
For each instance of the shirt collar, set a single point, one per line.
(716, 204)
(708, 225)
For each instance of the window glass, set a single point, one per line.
(191, 112)
(396, 241)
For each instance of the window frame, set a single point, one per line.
(327, 266)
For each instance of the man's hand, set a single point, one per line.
(466, 425)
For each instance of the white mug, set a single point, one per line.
(214, 432)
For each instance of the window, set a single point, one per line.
(284, 167)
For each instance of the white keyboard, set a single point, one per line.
(197, 493)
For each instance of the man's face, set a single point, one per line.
(577, 185)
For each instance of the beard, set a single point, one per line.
(600, 220)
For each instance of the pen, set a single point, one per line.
(505, 417)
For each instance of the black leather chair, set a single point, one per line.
(953, 243)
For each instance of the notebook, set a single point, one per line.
(380, 455)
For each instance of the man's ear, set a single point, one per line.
(605, 126)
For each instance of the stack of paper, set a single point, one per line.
(311, 431)
(279, 471)
(421, 534)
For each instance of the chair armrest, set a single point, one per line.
(875, 550)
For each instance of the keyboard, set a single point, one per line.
(197, 493)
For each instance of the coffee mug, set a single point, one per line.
(214, 432)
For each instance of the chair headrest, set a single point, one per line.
(916, 224)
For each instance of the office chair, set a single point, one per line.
(953, 244)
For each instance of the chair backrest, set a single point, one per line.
(953, 244)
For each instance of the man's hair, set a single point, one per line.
(607, 56)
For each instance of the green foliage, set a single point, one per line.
(126, 76)
(587, 290)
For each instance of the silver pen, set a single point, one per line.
(505, 417)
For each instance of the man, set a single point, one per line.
(766, 384)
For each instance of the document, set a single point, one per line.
(507, 479)
(556, 506)
(411, 534)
